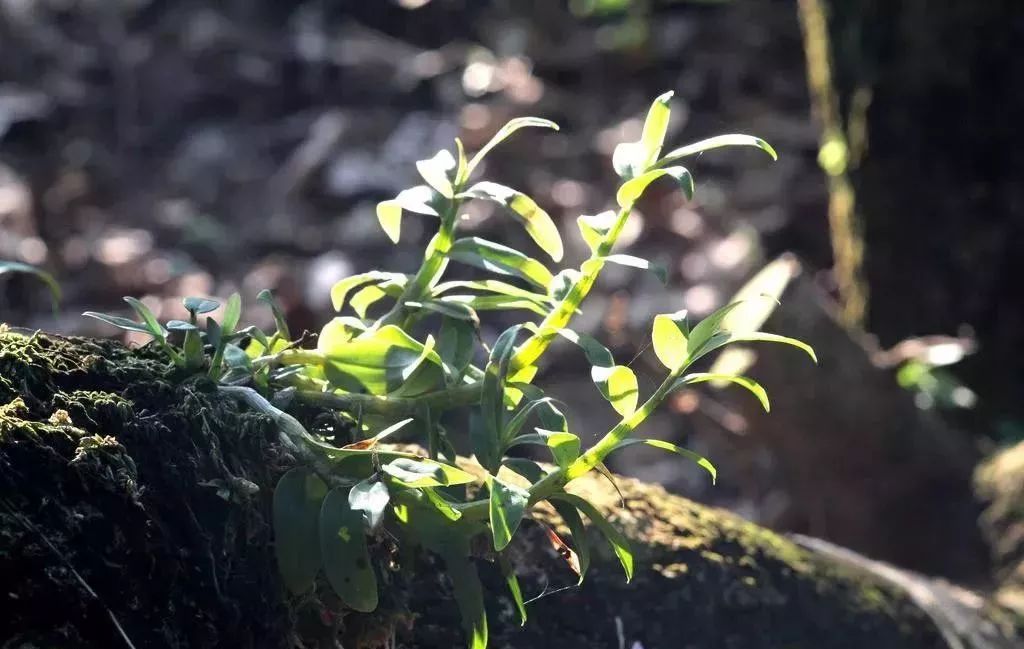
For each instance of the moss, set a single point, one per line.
(104, 455)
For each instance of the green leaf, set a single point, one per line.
(706, 328)
(469, 596)
(438, 172)
(420, 199)
(235, 357)
(369, 295)
(46, 278)
(595, 228)
(733, 139)
(369, 443)
(631, 159)
(440, 504)
(232, 313)
(669, 338)
(119, 322)
(750, 384)
(616, 383)
(636, 262)
(267, 297)
(723, 338)
(200, 305)
(389, 215)
(345, 556)
(534, 406)
(381, 361)
(180, 325)
(494, 286)
(701, 461)
(341, 289)
(618, 541)
(562, 284)
(655, 127)
(525, 468)
(573, 521)
(494, 303)
(296, 510)
(487, 438)
(508, 129)
(462, 171)
(513, 587)
(422, 472)
(452, 308)
(507, 506)
(193, 348)
(455, 347)
(497, 258)
(633, 189)
(371, 497)
(154, 327)
(538, 224)
(565, 447)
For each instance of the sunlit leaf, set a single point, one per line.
(119, 322)
(452, 308)
(734, 139)
(389, 215)
(630, 159)
(496, 303)
(594, 228)
(154, 327)
(438, 172)
(565, 447)
(371, 498)
(232, 314)
(443, 506)
(422, 472)
(727, 337)
(631, 190)
(420, 199)
(538, 224)
(494, 286)
(46, 278)
(267, 297)
(507, 505)
(497, 258)
(750, 384)
(508, 129)
(618, 541)
(462, 169)
(345, 556)
(669, 339)
(513, 587)
(365, 444)
(636, 262)
(701, 461)
(382, 361)
(297, 500)
(616, 383)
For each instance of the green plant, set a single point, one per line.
(46, 278)
(390, 373)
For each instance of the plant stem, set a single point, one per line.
(434, 261)
(559, 318)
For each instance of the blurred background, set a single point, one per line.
(161, 149)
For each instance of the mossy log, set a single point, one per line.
(134, 509)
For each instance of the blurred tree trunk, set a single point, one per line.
(929, 94)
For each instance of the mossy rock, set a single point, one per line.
(134, 507)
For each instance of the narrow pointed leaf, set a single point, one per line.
(487, 440)
(497, 258)
(119, 322)
(345, 556)
(341, 288)
(753, 386)
(455, 346)
(296, 511)
(699, 459)
(655, 127)
(633, 189)
(579, 561)
(469, 596)
(636, 262)
(618, 541)
(366, 444)
(538, 224)
(513, 587)
(733, 139)
(46, 278)
(507, 504)
(495, 303)
(155, 328)
(232, 314)
(508, 129)
(725, 338)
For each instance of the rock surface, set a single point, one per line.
(128, 517)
